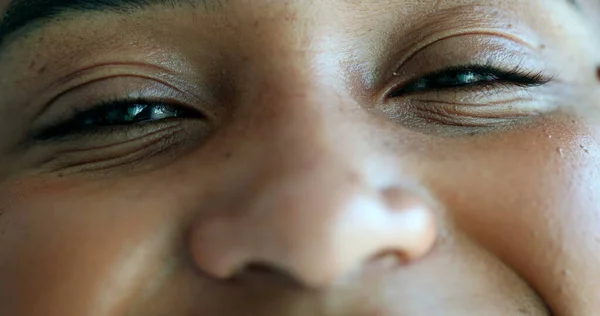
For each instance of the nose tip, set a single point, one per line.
(313, 249)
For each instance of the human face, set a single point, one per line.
(326, 158)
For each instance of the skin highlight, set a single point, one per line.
(300, 187)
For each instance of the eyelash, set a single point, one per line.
(489, 77)
(79, 123)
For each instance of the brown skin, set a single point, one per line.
(307, 190)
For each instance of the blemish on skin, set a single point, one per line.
(542, 46)
(32, 64)
(42, 70)
(290, 17)
(228, 155)
(584, 149)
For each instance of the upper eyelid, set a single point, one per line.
(154, 75)
(118, 84)
(90, 82)
(434, 39)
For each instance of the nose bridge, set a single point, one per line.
(296, 111)
(315, 205)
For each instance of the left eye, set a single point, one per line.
(471, 76)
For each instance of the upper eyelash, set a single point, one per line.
(513, 77)
(67, 127)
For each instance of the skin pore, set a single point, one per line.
(327, 158)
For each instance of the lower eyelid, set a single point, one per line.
(471, 105)
(78, 156)
(458, 112)
(505, 109)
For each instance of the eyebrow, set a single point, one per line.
(25, 13)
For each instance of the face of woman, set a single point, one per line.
(285, 158)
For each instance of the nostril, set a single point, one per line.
(257, 272)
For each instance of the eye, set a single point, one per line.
(470, 76)
(108, 116)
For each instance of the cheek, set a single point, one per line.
(70, 254)
(529, 197)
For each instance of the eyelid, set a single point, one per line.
(81, 98)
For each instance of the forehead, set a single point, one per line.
(21, 13)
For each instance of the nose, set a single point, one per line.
(321, 202)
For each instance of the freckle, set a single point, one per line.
(543, 46)
(509, 26)
(32, 64)
(228, 155)
(42, 70)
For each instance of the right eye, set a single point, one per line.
(121, 114)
